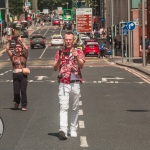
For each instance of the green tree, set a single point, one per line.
(53, 4)
(16, 7)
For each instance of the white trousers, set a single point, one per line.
(69, 92)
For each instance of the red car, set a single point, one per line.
(91, 48)
(56, 22)
(88, 40)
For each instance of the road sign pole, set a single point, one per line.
(122, 44)
(129, 35)
(143, 32)
(112, 23)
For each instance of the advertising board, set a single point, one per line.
(84, 20)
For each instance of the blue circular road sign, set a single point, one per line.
(131, 26)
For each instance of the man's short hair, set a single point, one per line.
(69, 32)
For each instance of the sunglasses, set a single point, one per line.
(18, 47)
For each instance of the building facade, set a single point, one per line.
(120, 14)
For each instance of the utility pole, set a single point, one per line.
(6, 11)
(112, 23)
(143, 32)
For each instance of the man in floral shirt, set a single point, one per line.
(69, 61)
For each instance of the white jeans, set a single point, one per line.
(67, 91)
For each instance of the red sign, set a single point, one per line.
(84, 20)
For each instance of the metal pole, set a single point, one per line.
(131, 47)
(143, 31)
(122, 44)
(112, 22)
(129, 35)
(126, 46)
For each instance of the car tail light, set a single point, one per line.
(30, 41)
(42, 40)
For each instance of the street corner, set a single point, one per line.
(1, 127)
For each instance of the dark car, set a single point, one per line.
(46, 18)
(67, 25)
(13, 42)
(37, 40)
(24, 33)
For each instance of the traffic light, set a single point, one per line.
(109, 30)
(117, 29)
(114, 30)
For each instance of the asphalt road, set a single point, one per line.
(114, 106)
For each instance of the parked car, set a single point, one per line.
(37, 40)
(84, 37)
(92, 48)
(57, 40)
(67, 25)
(56, 21)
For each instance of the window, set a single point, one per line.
(134, 3)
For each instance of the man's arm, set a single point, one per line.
(56, 65)
(58, 59)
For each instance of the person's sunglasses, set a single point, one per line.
(18, 47)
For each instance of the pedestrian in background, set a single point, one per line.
(19, 60)
(102, 50)
(69, 61)
(147, 48)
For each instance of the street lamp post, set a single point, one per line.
(67, 4)
(112, 23)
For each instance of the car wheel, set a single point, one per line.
(32, 46)
(44, 46)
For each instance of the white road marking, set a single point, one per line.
(116, 78)
(83, 141)
(80, 112)
(80, 103)
(81, 124)
(40, 77)
(43, 52)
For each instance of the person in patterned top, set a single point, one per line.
(69, 61)
(19, 61)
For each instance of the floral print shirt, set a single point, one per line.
(69, 65)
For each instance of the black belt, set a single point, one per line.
(73, 81)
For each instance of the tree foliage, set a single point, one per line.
(16, 7)
(53, 4)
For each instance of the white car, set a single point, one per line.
(57, 40)
(84, 37)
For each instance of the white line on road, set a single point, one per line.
(80, 112)
(81, 124)
(80, 103)
(43, 53)
(83, 141)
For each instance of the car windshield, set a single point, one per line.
(57, 37)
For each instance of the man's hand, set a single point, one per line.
(74, 52)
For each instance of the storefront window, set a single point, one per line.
(135, 3)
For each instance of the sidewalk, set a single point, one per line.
(135, 64)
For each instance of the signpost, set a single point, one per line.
(131, 26)
(1, 23)
(84, 20)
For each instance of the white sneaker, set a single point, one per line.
(73, 133)
(63, 134)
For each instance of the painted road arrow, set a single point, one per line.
(41, 77)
